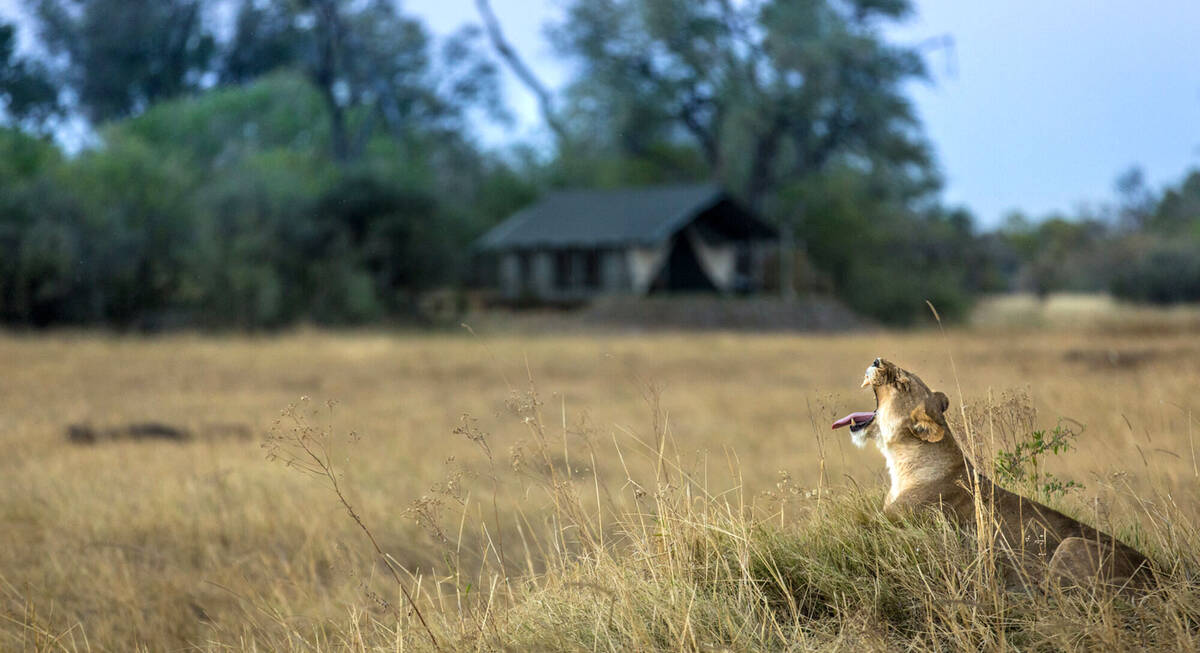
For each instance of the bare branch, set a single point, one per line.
(706, 134)
(944, 43)
(309, 449)
(521, 70)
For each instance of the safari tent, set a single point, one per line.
(576, 244)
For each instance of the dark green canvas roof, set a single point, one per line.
(630, 216)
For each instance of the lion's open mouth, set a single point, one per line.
(861, 420)
(856, 421)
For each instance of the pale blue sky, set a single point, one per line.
(1047, 103)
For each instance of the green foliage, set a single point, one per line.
(373, 67)
(254, 221)
(39, 256)
(27, 94)
(122, 56)
(1145, 248)
(1162, 271)
(225, 210)
(883, 259)
(404, 244)
(265, 39)
(136, 222)
(217, 129)
(102, 238)
(1023, 465)
(763, 93)
(24, 156)
(1160, 262)
(1060, 253)
(1178, 211)
(331, 179)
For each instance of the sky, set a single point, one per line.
(1040, 107)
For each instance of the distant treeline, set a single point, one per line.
(319, 160)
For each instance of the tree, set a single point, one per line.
(883, 257)
(266, 37)
(769, 91)
(374, 67)
(1135, 201)
(121, 56)
(545, 98)
(1059, 252)
(1178, 211)
(27, 96)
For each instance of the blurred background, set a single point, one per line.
(254, 164)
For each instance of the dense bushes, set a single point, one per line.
(883, 258)
(1163, 272)
(223, 210)
(1161, 263)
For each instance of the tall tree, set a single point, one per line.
(1178, 211)
(768, 90)
(373, 65)
(265, 37)
(121, 56)
(1135, 200)
(545, 98)
(27, 95)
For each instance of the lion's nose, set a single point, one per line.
(877, 363)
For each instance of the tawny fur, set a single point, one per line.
(928, 470)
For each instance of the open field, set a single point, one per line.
(500, 528)
(1088, 311)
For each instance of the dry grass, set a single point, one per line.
(1086, 310)
(648, 492)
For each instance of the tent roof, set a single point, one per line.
(638, 216)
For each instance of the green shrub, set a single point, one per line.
(1163, 273)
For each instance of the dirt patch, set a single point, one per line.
(87, 434)
(1112, 358)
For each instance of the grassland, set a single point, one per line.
(606, 492)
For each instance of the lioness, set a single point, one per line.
(928, 469)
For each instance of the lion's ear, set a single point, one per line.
(928, 421)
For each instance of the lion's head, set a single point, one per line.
(905, 408)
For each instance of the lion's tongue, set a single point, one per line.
(854, 418)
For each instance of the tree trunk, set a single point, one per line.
(325, 75)
(759, 186)
(766, 150)
(523, 72)
(337, 128)
(787, 261)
